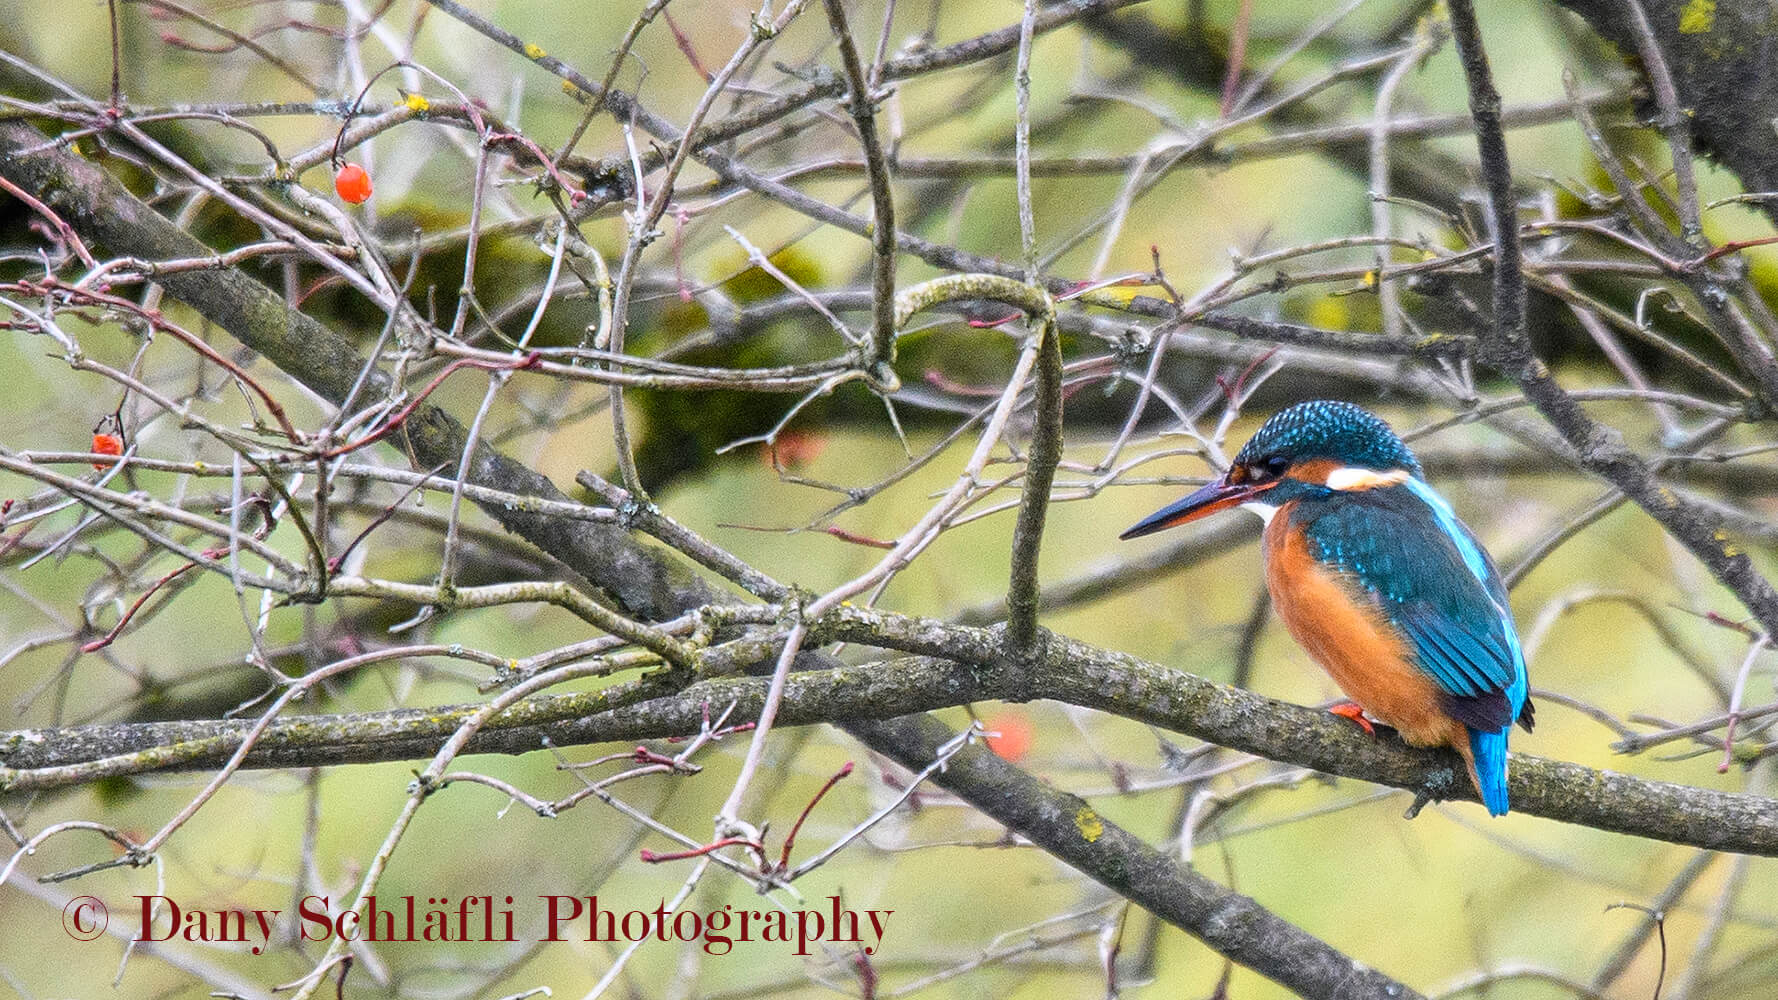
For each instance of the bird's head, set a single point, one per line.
(1306, 449)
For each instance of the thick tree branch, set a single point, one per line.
(1070, 829)
(972, 669)
(1022, 598)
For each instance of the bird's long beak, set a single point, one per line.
(1219, 495)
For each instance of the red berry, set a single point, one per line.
(352, 183)
(794, 449)
(106, 444)
(1010, 735)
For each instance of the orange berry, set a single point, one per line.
(1009, 735)
(106, 444)
(794, 449)
(352, 183)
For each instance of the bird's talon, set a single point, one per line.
(1351, 710)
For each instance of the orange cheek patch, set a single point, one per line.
(1314, 471)
(1331, 474)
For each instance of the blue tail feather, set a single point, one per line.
(1490, 767)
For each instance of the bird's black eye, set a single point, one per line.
(1274, 467)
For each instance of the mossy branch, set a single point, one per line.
(966, 669)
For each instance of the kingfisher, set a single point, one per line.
(1376, 578)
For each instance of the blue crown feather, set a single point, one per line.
(1326, 428)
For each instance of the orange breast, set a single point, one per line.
(1343, 631)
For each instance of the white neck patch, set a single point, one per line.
(1349, 477)
(1264, 510)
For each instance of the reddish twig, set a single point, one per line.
(1232, 390)
(77, 295)
(867, 975)
(531, 360)
(1740, 688)
(1721, 620)
(109, 637)
(697, 852)
(575, 195)
(1237, 55)
(333, 565)
(847, 536)
(988, 324)
(63, 230)
(1735, 247)
(790, 841)
(683, 40)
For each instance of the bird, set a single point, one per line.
(1375, 577)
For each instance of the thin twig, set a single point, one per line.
(862, 107)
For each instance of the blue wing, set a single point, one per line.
(1432, 580)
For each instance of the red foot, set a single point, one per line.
(1350, 710)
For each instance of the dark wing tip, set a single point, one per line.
(1485, 713)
